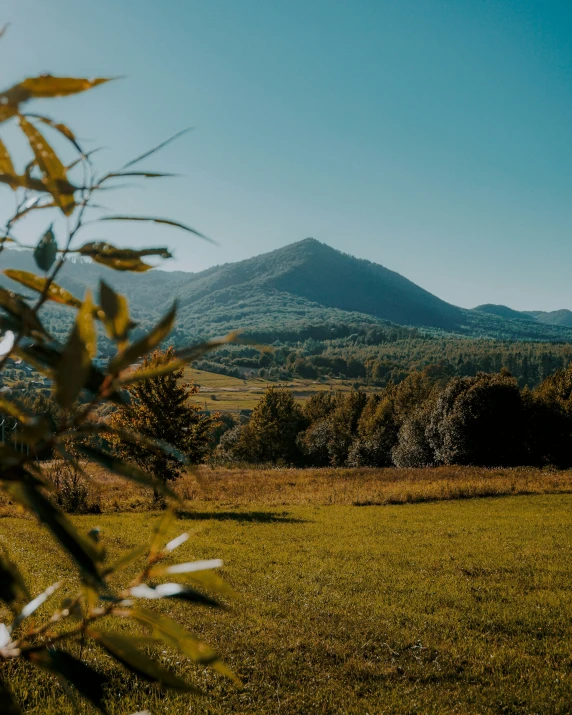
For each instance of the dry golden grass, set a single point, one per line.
(360, 487)
(323, 487)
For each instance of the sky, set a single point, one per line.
(431, 136)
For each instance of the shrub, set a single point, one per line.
(72, 492)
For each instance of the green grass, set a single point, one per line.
(231, 394)
(446, 607)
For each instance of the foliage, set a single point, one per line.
(159, 408)
(271, 434)
(478, 420)
(60, 190)
(428, 420)
(71, 489)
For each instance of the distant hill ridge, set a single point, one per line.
(306, 284)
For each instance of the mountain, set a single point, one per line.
(503, 311)
(308, 274)
(556, 317)
(306, 289)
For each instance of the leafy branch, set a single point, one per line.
(79, 386)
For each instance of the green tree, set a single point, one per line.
(160, 409)
(377, 433)
(271, 435)
(479, 421)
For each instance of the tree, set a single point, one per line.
(479, 421)
(378, 428)
(413, 448)
(271, 435)
(160, 409)
(334, 422)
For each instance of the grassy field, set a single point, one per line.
(221, 487)
(445, 607)
(232, 394)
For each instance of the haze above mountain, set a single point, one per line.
(303, 284)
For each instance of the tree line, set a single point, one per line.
(483, 420)
(428, 419)
(357, 359)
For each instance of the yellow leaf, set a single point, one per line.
(45, 86)
(50, 165)
(55, 292)
(6, 166)
(116, 310)
(49, 86)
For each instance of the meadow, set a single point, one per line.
(429, 605)
(232, 394)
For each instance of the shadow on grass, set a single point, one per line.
(261, 517)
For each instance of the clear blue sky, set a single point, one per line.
(434, 137)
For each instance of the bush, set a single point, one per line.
(72, 491)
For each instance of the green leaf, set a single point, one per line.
(123, 649)
(55, 292)
(173, 590)
(154, 219)
(153, 443)
(12, 585)
(75, 364)
(82, 550)
(34, 427)
(8, 701)
(160, 532)
(177, 637)
(145, 174)
(52, 168)
(194, 352)
(25, 316)
(141, 347)
(124, 469)
(89, 682)
(116, 312)
(210, 581)
(144, 374)
(19, 413)
(46, 251)
(154, 149)
(199, 572)
(28, 182)
(34, 604)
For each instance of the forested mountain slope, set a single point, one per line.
(304, 290)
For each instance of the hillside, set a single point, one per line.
(503, 311)
(555, 317)
(304, 290)
(310, 274)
